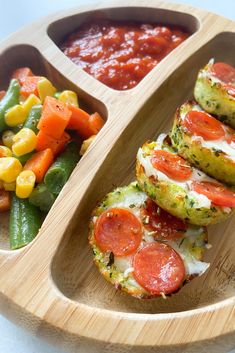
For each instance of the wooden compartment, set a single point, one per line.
(51, 286)
(27, 55)
(72, 267)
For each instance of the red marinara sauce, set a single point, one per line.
(120, 54)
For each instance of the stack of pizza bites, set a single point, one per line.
(149, 238)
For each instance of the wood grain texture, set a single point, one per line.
(51, 286)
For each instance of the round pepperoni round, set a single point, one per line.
(204, 125)
(119, 231)
(172, 165)
(158, 269)
(224, 72)
(162, 223)
(217, 193)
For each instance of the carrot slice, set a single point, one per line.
(96, 122)
(79, 121)
(21, 74)
(45, 141)
(29, 86)
(86, 125)
(55, 117)
(4, 200)
(39, 163)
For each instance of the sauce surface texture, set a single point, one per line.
(121, 54)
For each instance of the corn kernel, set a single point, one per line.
(45, 88)
(15, 115)
(10, 168)
(30, 102)
(24, 142)
(5, 152)
(9, 186)
(25, 183)
(86, 144)
(7, 138)
(69, 97)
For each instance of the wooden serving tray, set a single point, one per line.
(51, 286)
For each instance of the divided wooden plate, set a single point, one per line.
(51, 286)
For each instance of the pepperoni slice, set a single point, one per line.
(204, 125)
(217, 193)
(224, 72)
(118, 230)
(172, 165)
(161, 222)
(158, 268)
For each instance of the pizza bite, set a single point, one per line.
(140, 248)
(205, 142)
(179, 188)
(215, 91)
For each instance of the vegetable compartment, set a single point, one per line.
(31, 111)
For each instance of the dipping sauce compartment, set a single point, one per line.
(121, 54)
(119, 47)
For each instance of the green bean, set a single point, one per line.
(59, 172)
(42, 198)
(10, 99)
(34, 116)
(25, 222)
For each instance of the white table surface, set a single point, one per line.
(13, 15)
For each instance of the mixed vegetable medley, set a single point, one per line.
(43, 133)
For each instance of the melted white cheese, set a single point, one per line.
(124, 264)
(148, 236)
(199, 199)
(160, 141)
(221, 145)
(207, 74)
(192, 265)
(133, 201)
